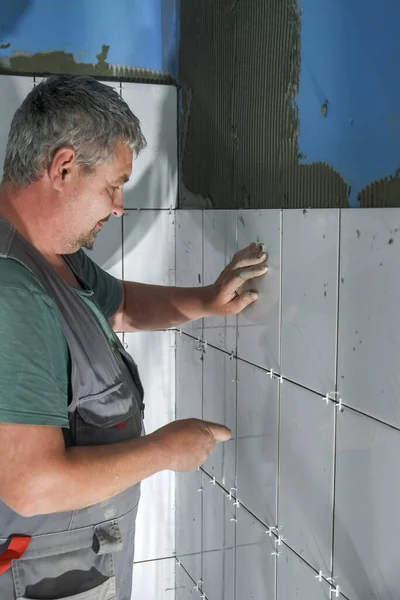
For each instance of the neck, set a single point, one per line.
(25, 209)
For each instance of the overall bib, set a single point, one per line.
(84, 554)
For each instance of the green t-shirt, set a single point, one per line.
(34, 357)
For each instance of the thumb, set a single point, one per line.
(245, 299)
(220, 432)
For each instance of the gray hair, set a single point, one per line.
(68, 111)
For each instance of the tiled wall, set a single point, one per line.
(303, 501)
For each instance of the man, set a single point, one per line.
(71, 400)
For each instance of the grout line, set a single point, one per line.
(335, 422)
(264, 525)
(237, 411)
(310, 566)
(278, 430)
(186, 571)
(280, 367)
(296, 383)
(151, 560)
(156, 209)
(334, 476)
(337, 300)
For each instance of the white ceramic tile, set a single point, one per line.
(154, 353)
(367, 524)
(116, 85)
(189, 256)
(154, 178)
(189, 375)
(155, 356)
(223, 338)
(219, 231)
(13, 91)
(154, 580)
(296, 579)
(310, 263)
(185, 586)
(189, 503)
(149, 247)
(257, 446)
(369, 319)
(218, 543)
(107, 251)
(255, 564)
(258, 324)
(306, 474)
(219, 406)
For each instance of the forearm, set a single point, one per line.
(93, 474)
(150, 307)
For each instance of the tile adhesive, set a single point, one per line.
(240, 72)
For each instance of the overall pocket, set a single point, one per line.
(62, 572)
(108, 417)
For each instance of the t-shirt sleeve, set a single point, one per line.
(107, 289)
(33, 360)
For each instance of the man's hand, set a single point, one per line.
(225, 298)
(187, 444)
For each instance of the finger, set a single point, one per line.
(250, 261)
(219, 432)
(239, 276)
(253, 250)
(239, 303)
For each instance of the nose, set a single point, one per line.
(118, 203)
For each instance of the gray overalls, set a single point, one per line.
(85, 554)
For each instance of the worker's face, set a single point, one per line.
(93, 198)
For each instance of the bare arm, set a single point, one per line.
(39, 476)
(149, 307)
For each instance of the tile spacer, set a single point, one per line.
(197, 586)
(213, 481)
(319, 576)
(335, 591)
(270, 531)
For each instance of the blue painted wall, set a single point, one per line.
(140, 33)
(350, 56)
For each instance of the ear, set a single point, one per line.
(62, 167)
